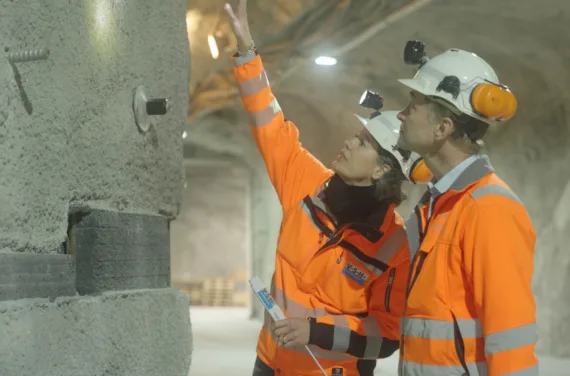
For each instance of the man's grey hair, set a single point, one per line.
(468, 131)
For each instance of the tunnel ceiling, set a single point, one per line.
(525, 43)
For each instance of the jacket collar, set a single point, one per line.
(474, 172)
(372, 228)
(459, 178)
(442, 185)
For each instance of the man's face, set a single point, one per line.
(357, 163)
(417, 131)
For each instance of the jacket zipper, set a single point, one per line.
(413, 269)
(420, 256)
(389, 289)
(324, 229)
(339, 259)
(459, 345)
(333, 239)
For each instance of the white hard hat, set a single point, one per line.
(466, 81)
(385, 128)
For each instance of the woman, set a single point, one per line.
(342, 259)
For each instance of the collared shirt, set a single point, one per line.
(443, 184)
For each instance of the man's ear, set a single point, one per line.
(380, 171)
(443, 129)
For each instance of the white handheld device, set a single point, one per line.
(273, 309)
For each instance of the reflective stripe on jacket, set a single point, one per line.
(351, 279)
(470, 309)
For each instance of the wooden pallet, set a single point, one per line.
(193, 289)
(218, 292)
(215, 292)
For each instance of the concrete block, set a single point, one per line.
(120, 251)
(68, 137)
(27, 275)
(128, 333)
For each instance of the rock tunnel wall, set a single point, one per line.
(68, 137)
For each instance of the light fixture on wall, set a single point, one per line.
(221, 40)
(184, 134)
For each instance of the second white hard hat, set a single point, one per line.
(385, 128)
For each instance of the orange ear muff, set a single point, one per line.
(420, 173)
(494, 101)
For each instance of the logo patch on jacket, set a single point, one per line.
(355, 274)
(337, 372)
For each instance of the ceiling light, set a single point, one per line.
(213, 46)
(184, 134)
(325, 60)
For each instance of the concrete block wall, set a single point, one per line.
(80, 177)
(120, 251)
(128, 333)
(68, 138)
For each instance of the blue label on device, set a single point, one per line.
(266, 298)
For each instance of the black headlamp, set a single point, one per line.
(414, 53)
(373, 101)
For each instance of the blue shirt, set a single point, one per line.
(443, 184)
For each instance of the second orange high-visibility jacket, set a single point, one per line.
(351, 279)
(470, 309)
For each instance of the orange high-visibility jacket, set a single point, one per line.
(351, 279)
(470, 308)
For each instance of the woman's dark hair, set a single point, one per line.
(389, 187)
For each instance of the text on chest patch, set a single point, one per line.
(354, 273)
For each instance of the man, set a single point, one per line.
(342, 260)
(470, 308)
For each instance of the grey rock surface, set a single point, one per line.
(68, 137)
(28, 275)
(129, 333)
(120, 251)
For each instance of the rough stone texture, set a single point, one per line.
(26, 275)
(68, 138)
(68, 144)
(120, 251)
(130, 333)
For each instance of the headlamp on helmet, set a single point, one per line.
(414, 53)
(373, 101)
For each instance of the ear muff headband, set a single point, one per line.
(420, 173)
(494, 101)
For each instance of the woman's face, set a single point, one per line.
(357, 163)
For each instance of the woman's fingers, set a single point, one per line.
(242, 11)
(239, 23)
